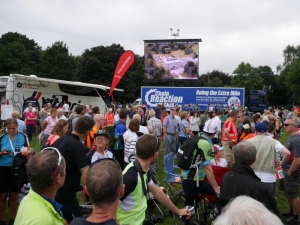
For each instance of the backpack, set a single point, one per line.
(70, 129)
(186, 152)
(117, 136)
(19, 166)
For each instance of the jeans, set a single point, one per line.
(29, 131)
(181, 140)
(170, 144)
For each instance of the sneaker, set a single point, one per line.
(292, 221)
(287, 214)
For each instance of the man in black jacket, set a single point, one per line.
(241, 179)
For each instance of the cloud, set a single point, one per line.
(232, 31)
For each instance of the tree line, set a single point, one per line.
(21, 55)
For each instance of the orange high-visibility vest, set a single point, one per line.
(232, 132)
(90, 138)
(109, 118)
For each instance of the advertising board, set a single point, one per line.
(200, 96)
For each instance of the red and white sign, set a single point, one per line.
(125, 61)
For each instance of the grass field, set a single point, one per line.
(281, 200)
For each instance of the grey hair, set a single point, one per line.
(151, 113)
(244, 153)
(246, 210)
(137, 116)
(40, 169)
(293, 119)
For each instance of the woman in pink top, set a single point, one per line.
(30, 122)
(60, 129)
(49, 123)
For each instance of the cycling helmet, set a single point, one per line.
(102, 133)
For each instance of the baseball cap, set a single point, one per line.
(102, 133)
(210, 126)
(173, 108)
(218, 148)
(261, 127)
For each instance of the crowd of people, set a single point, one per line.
(75, 150)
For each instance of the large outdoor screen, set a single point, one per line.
(175, 59)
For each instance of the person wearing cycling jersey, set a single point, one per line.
(101, 150)
(193, 179)
(46, 172)
(137, 181)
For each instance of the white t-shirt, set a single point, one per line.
(66, 107)
(218, 123)
(222, 163)
(97, 155)
(116, 117)
(26, 110)
(144, 129)
(267, 177)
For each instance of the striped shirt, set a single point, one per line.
(155, 125)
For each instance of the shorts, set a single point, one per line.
(7, 178)
(291, 184)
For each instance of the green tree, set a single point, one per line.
(293, 78)
(290, 54)
(97, 65)
(246, 76)
(18, 54)
(57, 62)
(215, 78)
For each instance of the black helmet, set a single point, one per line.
(102, 133)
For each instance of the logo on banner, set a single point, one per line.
(154, 97)
(234, 101)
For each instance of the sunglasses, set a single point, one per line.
(59, 159)
(105, 159)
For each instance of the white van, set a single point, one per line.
(18, 90)
(137, 102)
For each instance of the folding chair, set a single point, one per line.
(172, 179)
(208, 203)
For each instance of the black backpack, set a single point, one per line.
(19, 166)
(70, 129)
(186, 151)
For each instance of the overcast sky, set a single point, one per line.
(232, 31)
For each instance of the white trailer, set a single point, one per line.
(18, 90)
